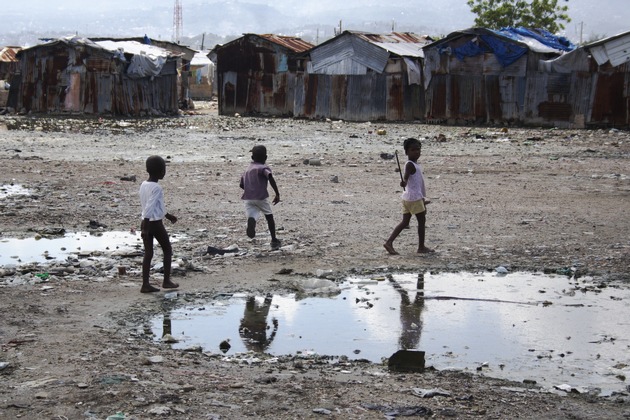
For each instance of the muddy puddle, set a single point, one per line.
(42, 249)
(521, 326)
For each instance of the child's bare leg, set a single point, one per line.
(251, 227)
(146, 265)
(167, 250)
(422, 219)
(271, 223)
(275, 242)
(389, 244)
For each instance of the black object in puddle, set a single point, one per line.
(406, 361)
(218, 251)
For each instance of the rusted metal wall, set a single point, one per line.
(358, 76)
(476, 90)
(369, 97)
(79, 79)
(479, 90)
(256, 75)
(611, 97)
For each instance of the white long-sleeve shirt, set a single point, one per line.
(152, 201)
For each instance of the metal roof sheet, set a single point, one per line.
(404, 44)
(347, 47)
(615, 49)
(403, 50)
(291, 42)
(8, 54)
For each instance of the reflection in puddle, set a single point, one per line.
(12, 189)
(520, 326)
(43, 249)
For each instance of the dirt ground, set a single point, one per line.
(74, 345)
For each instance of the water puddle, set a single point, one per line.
(520, 326)
(47, 249)
(12, 189)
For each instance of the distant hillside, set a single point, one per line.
(226, 20)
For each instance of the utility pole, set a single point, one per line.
(338, 31)
(177, 22)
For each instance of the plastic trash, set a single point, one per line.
(501, 270)
(313, 286)
(118, 416)
(170, 295)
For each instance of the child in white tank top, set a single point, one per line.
(413, 198)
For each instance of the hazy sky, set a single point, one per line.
(593, 18)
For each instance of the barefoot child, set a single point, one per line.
(153, 211)
(255, 196)
(413, 198)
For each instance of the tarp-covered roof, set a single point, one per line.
(134, 47)
(146, 60)
(538, 40)
(183, 51)
(200, 59)
(508, 44)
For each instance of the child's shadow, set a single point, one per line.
(253, 329)
(410, 313)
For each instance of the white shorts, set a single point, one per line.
(253, 208)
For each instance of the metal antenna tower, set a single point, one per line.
(177, 21)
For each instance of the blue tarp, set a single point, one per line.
(508, 52)
(544, 37)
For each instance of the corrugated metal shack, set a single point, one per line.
(359, 76)
(81, 76)
(185, 54)
(484, 76)
(603, 69)
(256, 74)
(611, 98)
